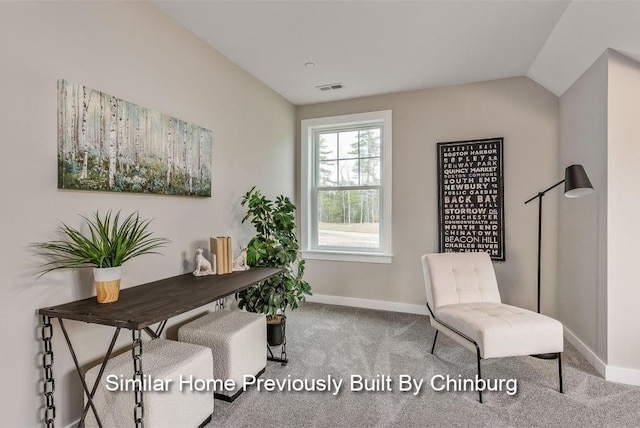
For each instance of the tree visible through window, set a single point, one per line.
(348, 203)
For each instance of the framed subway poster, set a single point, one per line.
(471, 197)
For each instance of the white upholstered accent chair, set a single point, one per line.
(464, 303)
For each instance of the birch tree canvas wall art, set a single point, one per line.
(108, 144)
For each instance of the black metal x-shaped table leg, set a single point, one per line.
(90, 394)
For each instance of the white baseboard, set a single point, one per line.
(369, 304)
(622, 375)
(610, 373)
(586, 352)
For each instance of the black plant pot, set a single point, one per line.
(275, 332)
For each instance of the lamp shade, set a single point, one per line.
(576, 182)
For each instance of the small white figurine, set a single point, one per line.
(240, 262)
(203, 266)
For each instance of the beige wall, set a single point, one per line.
(134, 52)
(623, 213)
(519, 110)
(582, 228)
(597, 236)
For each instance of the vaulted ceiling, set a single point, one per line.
(375, 47)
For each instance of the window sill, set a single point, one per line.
(344, 256)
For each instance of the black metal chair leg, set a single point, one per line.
(560, 371)
(434, 342)
(479, 373)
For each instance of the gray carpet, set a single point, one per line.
(327, 340)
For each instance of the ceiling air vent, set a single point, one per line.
(330, 87)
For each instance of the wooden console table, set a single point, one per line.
(137, 309)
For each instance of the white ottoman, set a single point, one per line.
(165, 360)
(238, 341)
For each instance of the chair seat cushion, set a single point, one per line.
(503, 330)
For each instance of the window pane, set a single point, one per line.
(328, 146)
(348, 144)
(349, 218)
(348, 172)
(327, 173)
(370, 172)
(370, 143)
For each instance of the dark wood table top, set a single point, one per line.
(147, 304)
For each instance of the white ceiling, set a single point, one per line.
(375, 47)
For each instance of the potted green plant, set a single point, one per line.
(105, 246)
(274, 245)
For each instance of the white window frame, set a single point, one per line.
(308, 225)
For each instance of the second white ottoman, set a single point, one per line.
(238, 342)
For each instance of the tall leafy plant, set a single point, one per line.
(274, 245)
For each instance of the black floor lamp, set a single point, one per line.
(576, 184)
